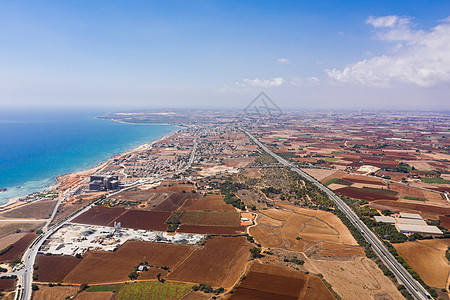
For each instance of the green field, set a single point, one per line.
(335, 152)
(414, 198)
(331, 159)
(104, 288)
(153, 290)
(433, 180)
(331, 181)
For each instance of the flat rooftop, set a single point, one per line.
(383, 219)
(411, 221)
(418, 229)
(410, 216)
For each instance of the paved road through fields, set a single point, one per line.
(416, 289)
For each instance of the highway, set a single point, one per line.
(25, 275)
(404, 277)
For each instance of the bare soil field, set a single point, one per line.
(310, 226)
(396, 176)
(275, 282)
(364, 180)
(218, 263)
(95, 296)
(6, 284)
(54, 292)
(9, 229)
(252, 173)
(413, 207)
(173, 202)
(141, 195)
(321, 174)
(100, 215)
(206, 218)
(445, 221)
(404, 190)
(359, 278)
(18, 248)
(368, 194)
(329, 220)
(267, 236)
(238, 162)
(55, 268)
(210, 229)
(428, 259)
(9, 239)
(34, 210)
(106, 267)
(209, 202)
(142, 219)
(277, 214)
(174, 187)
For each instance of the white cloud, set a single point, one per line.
(421, 57)
(283, 61)
(305, 81)
(265, 83)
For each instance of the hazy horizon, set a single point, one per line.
(221, 54)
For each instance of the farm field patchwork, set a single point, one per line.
(99, 215)
(104, 267)
(54, 268)
(153, 290)
(427, 258)
(207, 218)
(209, 202)
(142, 219)
(210, 229)
(218, 263)
(173, 202)
(18, 248)
(369, 194)
(275, 282)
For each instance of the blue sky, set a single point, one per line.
(127, 54)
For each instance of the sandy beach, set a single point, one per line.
(70, 180)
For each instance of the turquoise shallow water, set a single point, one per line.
(36, 147)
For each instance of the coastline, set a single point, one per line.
(57, 183)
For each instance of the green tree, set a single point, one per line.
(255, 252)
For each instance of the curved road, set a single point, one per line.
(416, 290)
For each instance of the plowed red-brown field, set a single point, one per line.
(210, 229)
(415, 207)
(106, 267)
(363, 180)
(445, 221)
(18, 248)
(6, 284)
(173, 202)
(209, 202)
(55, 268)
(275, 282)
(142, 219)
(367, 194)
(99, 215)
(207, 218)
(219, 263)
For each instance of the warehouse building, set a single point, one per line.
(422, 229)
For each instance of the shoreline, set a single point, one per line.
(98, 166)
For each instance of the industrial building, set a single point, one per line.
(383, 219)
(422, 229)
(103, 182)
(410, 223)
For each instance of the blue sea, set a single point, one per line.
(37, 146)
